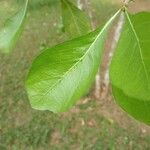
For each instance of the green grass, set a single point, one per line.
(78, 129)
(82, 128)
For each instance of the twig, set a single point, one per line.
(127, 2)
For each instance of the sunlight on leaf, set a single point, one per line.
(62, 74)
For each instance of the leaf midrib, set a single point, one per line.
(24, 13)
(14, 32)
(67, 72)
(140, 49)
(76, 24)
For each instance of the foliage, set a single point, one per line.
(130, 68)
(62, 74)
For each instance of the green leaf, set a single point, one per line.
(130, 68)
(62, 74)
(12, 30)
(75, 21)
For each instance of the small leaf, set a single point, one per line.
(130, 68)
(62, 74)
(75, 21)
(12, 30)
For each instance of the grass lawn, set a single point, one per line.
(90, 125)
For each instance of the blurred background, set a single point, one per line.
(94, 123)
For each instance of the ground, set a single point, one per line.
(91, 124)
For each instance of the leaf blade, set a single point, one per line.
(12, 30)
(76, 22)
(130, 71)
(62, 74)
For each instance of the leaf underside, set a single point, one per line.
(61, 75)
(130, 67)
(12, 30)
(75, 21)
